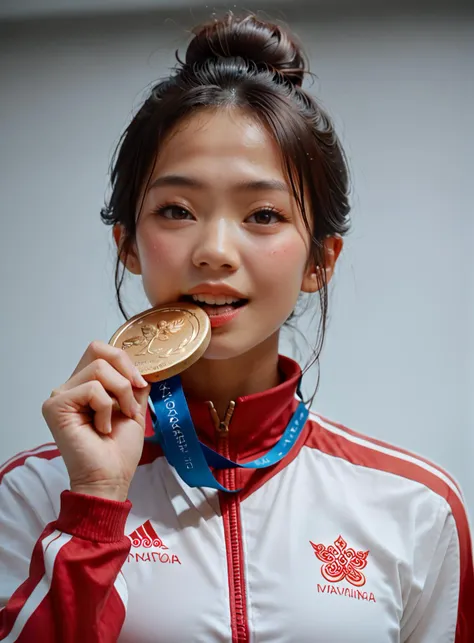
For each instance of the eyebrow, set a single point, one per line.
(177, 180)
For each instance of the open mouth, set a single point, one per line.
(215, 305)
(221, 309)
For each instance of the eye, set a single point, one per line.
(174, 213)
(266, 216)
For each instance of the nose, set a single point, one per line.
(217, 247)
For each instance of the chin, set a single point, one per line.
(219, 352)
(227, 345)
(223, 347)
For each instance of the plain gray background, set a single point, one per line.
(399, 358)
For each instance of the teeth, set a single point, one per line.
(214, 300)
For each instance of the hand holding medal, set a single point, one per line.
(97, 418)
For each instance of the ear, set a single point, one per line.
(130, 257)
(313, 279)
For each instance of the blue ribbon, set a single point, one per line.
(174, 430)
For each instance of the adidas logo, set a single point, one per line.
(146, 537)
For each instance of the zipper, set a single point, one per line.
(230, 506)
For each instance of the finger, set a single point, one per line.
(87, 396)
(102, 404)
(141, 396)
(112, 381)
(116, 357)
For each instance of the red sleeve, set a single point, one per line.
(75, 592)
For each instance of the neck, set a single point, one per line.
(224, 380)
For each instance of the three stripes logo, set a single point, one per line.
(146, 536)
(151, 545)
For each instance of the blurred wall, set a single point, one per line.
(399, 358)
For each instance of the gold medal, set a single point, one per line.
(165, 340)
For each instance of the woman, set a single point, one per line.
(229, 189)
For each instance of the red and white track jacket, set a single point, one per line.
(348, 540)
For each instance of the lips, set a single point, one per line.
(220, 315)
(216, 290)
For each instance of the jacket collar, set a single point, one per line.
(258, 420)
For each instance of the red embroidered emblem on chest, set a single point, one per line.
(341, 562)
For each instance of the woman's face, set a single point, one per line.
(218, 221)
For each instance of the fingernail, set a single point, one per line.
(140, 381)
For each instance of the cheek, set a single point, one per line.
(285, 261)
(158, 252)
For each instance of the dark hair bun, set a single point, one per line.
(264, 44)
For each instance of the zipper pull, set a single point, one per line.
(222, 426)
(228, 416)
